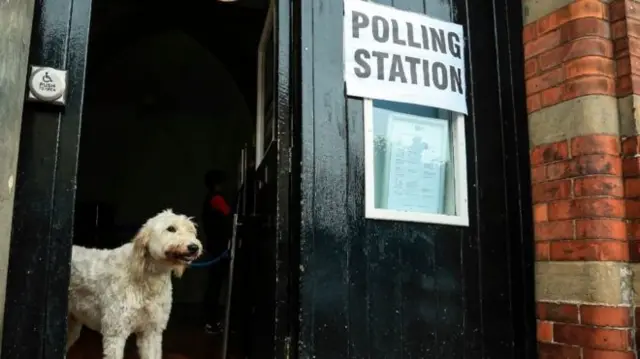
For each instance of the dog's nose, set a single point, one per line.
(192, 248)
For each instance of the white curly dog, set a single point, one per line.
(127, 290)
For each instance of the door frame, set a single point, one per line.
(42, 227)
(286, 207)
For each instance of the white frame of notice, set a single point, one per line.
(461, 218)
(267, 31)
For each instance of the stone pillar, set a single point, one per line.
(16, 17)
(585, 171)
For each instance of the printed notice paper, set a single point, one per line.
(401, 56)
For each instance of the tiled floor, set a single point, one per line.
(179, 343)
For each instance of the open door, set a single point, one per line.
(268, 220)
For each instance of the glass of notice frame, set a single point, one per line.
(415, 160)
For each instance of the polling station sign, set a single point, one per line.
(401, 56)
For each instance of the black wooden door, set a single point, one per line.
(382, 289)
(273, 321)
(36, 304)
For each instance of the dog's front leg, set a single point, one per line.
(113, 346)
(150, 344)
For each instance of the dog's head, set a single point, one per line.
(169, 239)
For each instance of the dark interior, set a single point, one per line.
(170, 94)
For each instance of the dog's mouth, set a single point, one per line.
(182, 257)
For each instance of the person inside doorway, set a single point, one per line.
(217, 225)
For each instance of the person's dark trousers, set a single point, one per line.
(218, 272)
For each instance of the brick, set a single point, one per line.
(620, 47)
(545, 81)
(633, 230)
(588, 46)
(635, 82)
(544, 331)
(628, 85)
(552, 96)
(538, 174)
(624, 86)
(534, 103)
(548, 231)
(594, 144)
(601, 229)
(617, 10)
(542, 44)
(552, 58)
(589, 66)
(542, 251)
(584, 27)
(558, 351)
(630, 146)
(632, 187)
(550, 153)
(632, 208)
(590, 337)
(550, 191)
(561, 170)
(588, 85)
(540, 213)
(623, 67)
(606, 354)
(555, 312)
(633, 28)
(634, 61)
(633, 45)
(619, 29)
(589, 250)
(587, 207)
(596, 164)
(630, 167)
(605, 316)
(577, 10)
(631, 11)
(529, 32)
(634, 252)
(530, 68)
(598, 186)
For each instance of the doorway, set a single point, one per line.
(170, 93)
(186, 93)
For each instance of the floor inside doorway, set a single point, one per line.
(181, 340)
(179, 343)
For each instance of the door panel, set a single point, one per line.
(382, 289)
(271, 324)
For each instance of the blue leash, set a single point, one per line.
(211, 262)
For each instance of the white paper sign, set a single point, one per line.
(401, 56)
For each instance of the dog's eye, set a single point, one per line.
(171, 229)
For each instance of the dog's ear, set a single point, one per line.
(140, 242)
(178, 270)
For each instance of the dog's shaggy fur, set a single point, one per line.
(127, 290)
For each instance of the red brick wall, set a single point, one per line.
(585, 187)
(568, 54)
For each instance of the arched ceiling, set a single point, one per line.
(231, 31)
